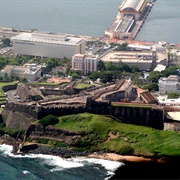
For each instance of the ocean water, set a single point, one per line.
(84, 17)
(88, 17)
(41, 167)
(162, 24)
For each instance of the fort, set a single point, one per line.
(108, 100)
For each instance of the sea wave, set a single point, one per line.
(107, 164)
(25, 172)
(58, 164)
(110, 166)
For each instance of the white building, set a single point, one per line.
(84, 63)
(29, 73)
(159, 68)
(47, 45)
(170, 84)
(164, 101)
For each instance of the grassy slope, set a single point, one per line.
(142, 140)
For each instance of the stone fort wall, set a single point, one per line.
(132, 115)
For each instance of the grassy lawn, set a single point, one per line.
(64, 84)
(45, 83)
(81, 86)
(127, 139)
(132, 105)
(5, 84)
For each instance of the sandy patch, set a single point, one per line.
(116, 157)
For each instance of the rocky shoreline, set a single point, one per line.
(64, 152)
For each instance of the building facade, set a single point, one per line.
(29, 73)
(170, 84)
(145, 61)
(84, 63)
(47, 45)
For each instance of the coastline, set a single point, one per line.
(120, 158)
(67, 153)
(135, 167)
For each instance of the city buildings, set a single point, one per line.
(84, 63)
(47, 45)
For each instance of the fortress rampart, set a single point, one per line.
(132, 115)
(22, 113)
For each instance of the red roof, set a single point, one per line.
(139, 90)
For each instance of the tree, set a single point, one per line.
(122, 47)
(94, 75)
(101, 66)
(49, 120)
(6, 41)
(110, 66)
(170, 71)
(74, 75)
(173, 95)
(154, 76)
(151, 87)
(51, 63)
(134, 69)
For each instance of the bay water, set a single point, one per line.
(88, 17)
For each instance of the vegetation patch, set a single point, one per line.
(132, 105)
(82, 86)
(48, 120)
(131, 139)
(12, 132)
(45, 83)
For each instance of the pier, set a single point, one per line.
(129, 20)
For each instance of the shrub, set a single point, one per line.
(125, 150)
(43, 141)
(49, 120)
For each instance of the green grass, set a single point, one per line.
(45, 83)
(81, 86)
(132, 105)
(7, 83)
(1, 92)
(130, 139)
(2, 84)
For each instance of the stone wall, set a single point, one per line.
(9, 87)
(16, 120)
(38, 131)
(62, 110)
(29, 110)
(132, 115)
(139, 116)
(57, 92)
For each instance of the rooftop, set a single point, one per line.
(133, 4)
(48, 38)
(159, 68)
(29, 70)
(128, 56)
